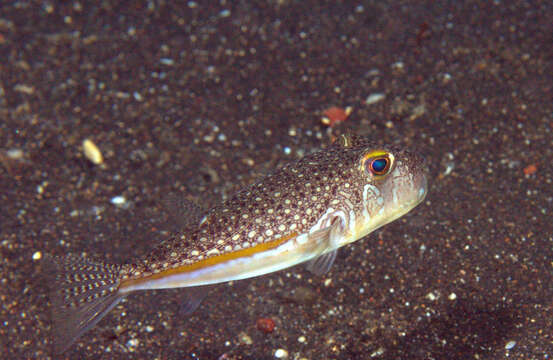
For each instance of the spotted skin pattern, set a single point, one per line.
(292, 203)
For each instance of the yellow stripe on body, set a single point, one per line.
(211, 261)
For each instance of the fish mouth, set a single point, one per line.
(422, 182)
(416, 192)
(422, 185)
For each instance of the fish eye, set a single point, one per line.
(378, 166)
(377, 163)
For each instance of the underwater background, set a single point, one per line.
(194, 100)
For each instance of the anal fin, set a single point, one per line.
(192, 298)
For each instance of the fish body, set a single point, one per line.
(301, 213)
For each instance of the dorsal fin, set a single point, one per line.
(183, 212)
(345, 140)
(350, 140)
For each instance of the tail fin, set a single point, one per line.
(82, 292)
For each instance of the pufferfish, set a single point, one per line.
(301, 213)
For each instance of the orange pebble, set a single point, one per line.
(530, 169)
(335, 115)
(267, 325)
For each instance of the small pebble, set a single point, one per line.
(431, 296)
(374, 98)
(167, 61)
(25, 89)
(511, 344)
(530, 169)
(266, 325)
(302, 339)
(245, 338)
(14, 154)
(281, 354)
(37, 255)
(335, 115)
(118, 200)
(92, 152)
(132, 343)
(452, 296)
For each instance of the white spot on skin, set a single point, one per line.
(213, 252)
(281, 227)
(235, 237)
(269, 232)
(251, 234)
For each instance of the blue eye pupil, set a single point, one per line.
(379, 165)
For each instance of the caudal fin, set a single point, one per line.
(81, 292)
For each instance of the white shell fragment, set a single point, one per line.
(118, 200)
(281, 354)
(92, 152)
(374, 98)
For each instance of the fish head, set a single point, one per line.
(389, 182)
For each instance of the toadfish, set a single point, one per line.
(301, 213)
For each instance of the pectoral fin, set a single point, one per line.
(321, 264)
(325, 240)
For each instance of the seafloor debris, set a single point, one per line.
(335, 115)
(92, 152)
